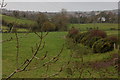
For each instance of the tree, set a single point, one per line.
(41, 18)
(16, 14)
(73, 19)
(61, 20)
(83, 20)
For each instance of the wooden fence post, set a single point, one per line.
(114, 46)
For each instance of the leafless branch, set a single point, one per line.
(17, 53)
(27, 62)
(3, 4)
(52, 60)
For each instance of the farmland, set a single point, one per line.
(101, 26)
(54, 41)
(59, 40)
(81, 27)
(10, 19)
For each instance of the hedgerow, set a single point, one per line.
(72, 32)
(95, 39)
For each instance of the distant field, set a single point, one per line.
(5, 29)
(101, 26)
(82, 27)
(54, 41)
(10, 19)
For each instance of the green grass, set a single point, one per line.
(10, 19)
(54, 41)
(101, 26)
(51, 42)
(5, 29)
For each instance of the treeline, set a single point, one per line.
(58, 22)
(102, 17)
(95, 17)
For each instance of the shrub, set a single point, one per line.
(98, 33)
(113, 29)
(88, 38)
(113, 38)
(91, 41)
(48, 26)
(103, 45)
(73, 32)
(78, 38)
(85, 39)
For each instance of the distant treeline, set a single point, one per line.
(102, 17)
(58, 21)
(42, 22)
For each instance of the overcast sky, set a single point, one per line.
(57, 6)
(62, 0)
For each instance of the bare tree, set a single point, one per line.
(3, 4)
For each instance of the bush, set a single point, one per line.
(85, 39)
(88, 38)
(78, 38)
(98, 33)
(91, 41)
(73, 32)
(48, 26)
(113, 29)
(103, 45)
(113, 39)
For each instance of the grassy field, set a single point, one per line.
(54, 42)
(103, 26)
(5, 29)
(10, 19)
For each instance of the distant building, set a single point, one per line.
(102, 19)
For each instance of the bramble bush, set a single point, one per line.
(103, 45)
(85, 39)
(86, 36)
(72, 33)
(91, 41)
(113, 39)
(98, 33)
(78, 38)
(95, 39)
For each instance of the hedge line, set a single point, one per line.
(95, 39)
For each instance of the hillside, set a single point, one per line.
(10, 19)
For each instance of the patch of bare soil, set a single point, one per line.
(113, 61)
